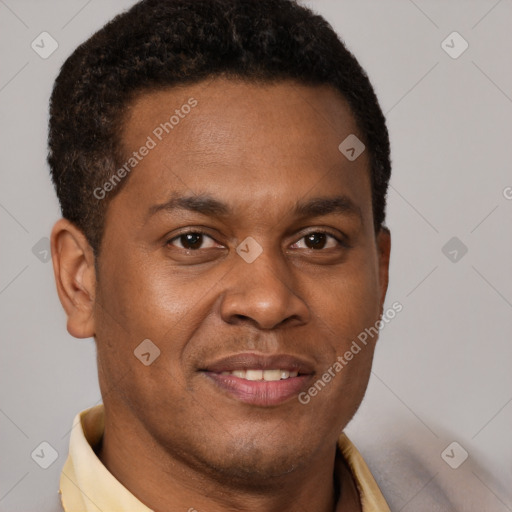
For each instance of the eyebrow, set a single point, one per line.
(209, 206)
(319, 206)
(204, 204)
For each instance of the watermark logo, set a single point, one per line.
(454, 249)
(41, 250)
(44, 45)
(249, 249)
(351, 147)
(146, 352)
(44, 455)
(454, 45)
(454, 455)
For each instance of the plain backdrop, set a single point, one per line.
(442, 371)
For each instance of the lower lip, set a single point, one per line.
(260, 392)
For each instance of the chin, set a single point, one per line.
(251, 464)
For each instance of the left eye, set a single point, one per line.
(193, 241)
(317, 240)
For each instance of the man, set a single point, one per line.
(222, 168)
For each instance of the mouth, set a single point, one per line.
(258, 379)
(266, 375)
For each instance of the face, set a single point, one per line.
(243, 246)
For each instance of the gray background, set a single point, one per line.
(442, 368)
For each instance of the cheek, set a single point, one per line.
(348, 304)
(150, 301)
(130, 311)
(347, 301)
(140, 301)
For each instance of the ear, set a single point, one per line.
(75, 277)
(384, 251)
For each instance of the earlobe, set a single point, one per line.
(75, 277)
(384, 248)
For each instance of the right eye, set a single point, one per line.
(192, 241)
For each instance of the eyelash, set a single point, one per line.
(341, 242)
(190, 232)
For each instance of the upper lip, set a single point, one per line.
(253, 361)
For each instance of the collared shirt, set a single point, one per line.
(86, 485)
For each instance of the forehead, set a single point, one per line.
(241, 141)
(318, 115)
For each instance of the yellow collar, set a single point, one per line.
(86, 485)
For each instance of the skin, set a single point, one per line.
(260, 149)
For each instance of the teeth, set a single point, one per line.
(267, 375)
(272, 375)
(254, 374)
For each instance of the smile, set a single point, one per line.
(259, 379)
(267, 375)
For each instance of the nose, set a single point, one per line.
(263, 293)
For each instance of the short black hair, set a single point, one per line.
(163, 43)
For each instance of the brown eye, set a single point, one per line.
(192, 241)
(317, 240)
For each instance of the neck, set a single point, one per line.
(163, 482)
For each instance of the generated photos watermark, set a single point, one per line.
(157, 135)
(356, 347)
